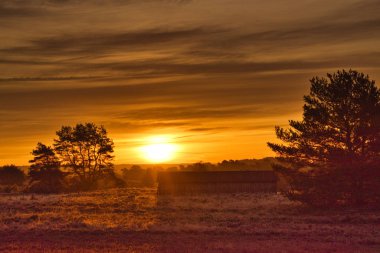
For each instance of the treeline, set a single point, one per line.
(47, 175)
(226, 165)
(231, 165)
(137, 176)
(15, 179)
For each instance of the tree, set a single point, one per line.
(332, 156)
(11, 175)
(200, 167)
(44, 172)
(86, 151)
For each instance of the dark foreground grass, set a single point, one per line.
(135, 220)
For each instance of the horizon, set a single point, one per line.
(166, 164)
(214, 84)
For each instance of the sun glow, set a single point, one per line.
(159, 149)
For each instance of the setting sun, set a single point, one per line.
(159, 149)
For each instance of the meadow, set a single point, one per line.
(137, 220)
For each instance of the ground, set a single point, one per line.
(136, 220)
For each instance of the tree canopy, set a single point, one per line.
(44, 160)
(332, 156)
(85, 150)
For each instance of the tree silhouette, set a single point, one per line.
(86, 151)
(332, 156)
(11, 174)
(45, 173)
(200, 167)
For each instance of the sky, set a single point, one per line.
(212, 76)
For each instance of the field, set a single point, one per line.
(135, 220)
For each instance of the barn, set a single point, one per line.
(189, 182)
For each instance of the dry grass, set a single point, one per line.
(134, 220)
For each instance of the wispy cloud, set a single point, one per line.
(41, 79)
(186, 66)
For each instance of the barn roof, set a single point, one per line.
(183, 177)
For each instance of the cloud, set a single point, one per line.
(211, 92)
(199, 41)
(222, 67)
(105, 42)
(207, 129)
(188, 112)
(190, 66)
(197, 50)
(323, 32)
(9, 10)
(41, 79)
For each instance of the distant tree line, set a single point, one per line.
(46, 173)
(136, 176)
(227, 165)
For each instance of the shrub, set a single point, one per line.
(11, 175)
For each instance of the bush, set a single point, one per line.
(107, 181)
(48, 181)
(11, 175)
(110, 181)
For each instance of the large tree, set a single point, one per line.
(332, 156)
(86, 151)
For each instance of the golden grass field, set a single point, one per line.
(136, 220)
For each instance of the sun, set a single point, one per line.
(159, 149)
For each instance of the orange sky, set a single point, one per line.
(214, 75)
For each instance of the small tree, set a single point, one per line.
(86, 151)
(11, 175)
(44, 172)
(332, 156)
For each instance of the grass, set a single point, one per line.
(135, 220)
